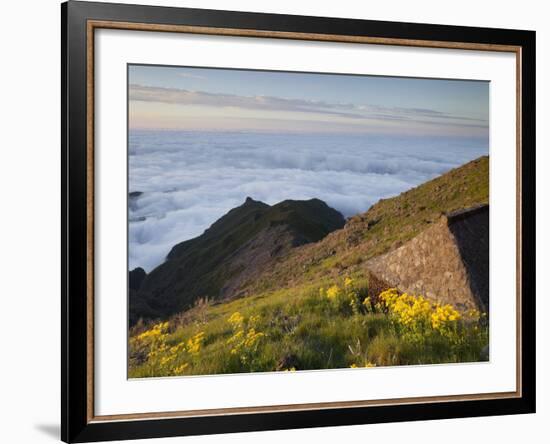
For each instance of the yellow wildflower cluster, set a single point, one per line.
(156, 349)
(163, 356)
(343, 297)
(194, 344)
(180, 369)
(417, 314)
(157, 331)
(240, 341)
(236, 320)
(367, 364)
(333, 293)
(245, 339)
(369, 306)
(178, 348)
(444, 315)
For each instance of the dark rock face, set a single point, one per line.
(135, 278)
(231, 252)
(471, 231)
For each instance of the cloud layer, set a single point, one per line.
(190, 179)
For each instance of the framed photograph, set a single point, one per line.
(276, 221)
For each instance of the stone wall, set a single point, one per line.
(448, 262)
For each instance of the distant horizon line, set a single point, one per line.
(290, 131)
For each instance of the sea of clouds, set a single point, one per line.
(191, 179)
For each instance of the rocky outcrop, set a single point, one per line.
(448, 262)
(135, 278)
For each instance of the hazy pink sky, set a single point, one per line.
(226, 99)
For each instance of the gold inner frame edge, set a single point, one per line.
(92, 25)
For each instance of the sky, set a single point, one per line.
(212, 99)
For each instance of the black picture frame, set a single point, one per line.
(76, 423)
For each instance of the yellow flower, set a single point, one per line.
(389, 297)
(252, 338)
(236, 336)
(333, 292)
(194, 344)
(180, 369)
(178, 348)
(417, 314)
(157, 331)
(236, 320)
(444, 316)
(166, 360)
(368, 364)
(348, 282)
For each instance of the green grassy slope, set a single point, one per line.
(293, 329)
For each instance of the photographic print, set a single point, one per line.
(289, 221)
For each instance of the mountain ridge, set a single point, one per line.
(233, 249)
